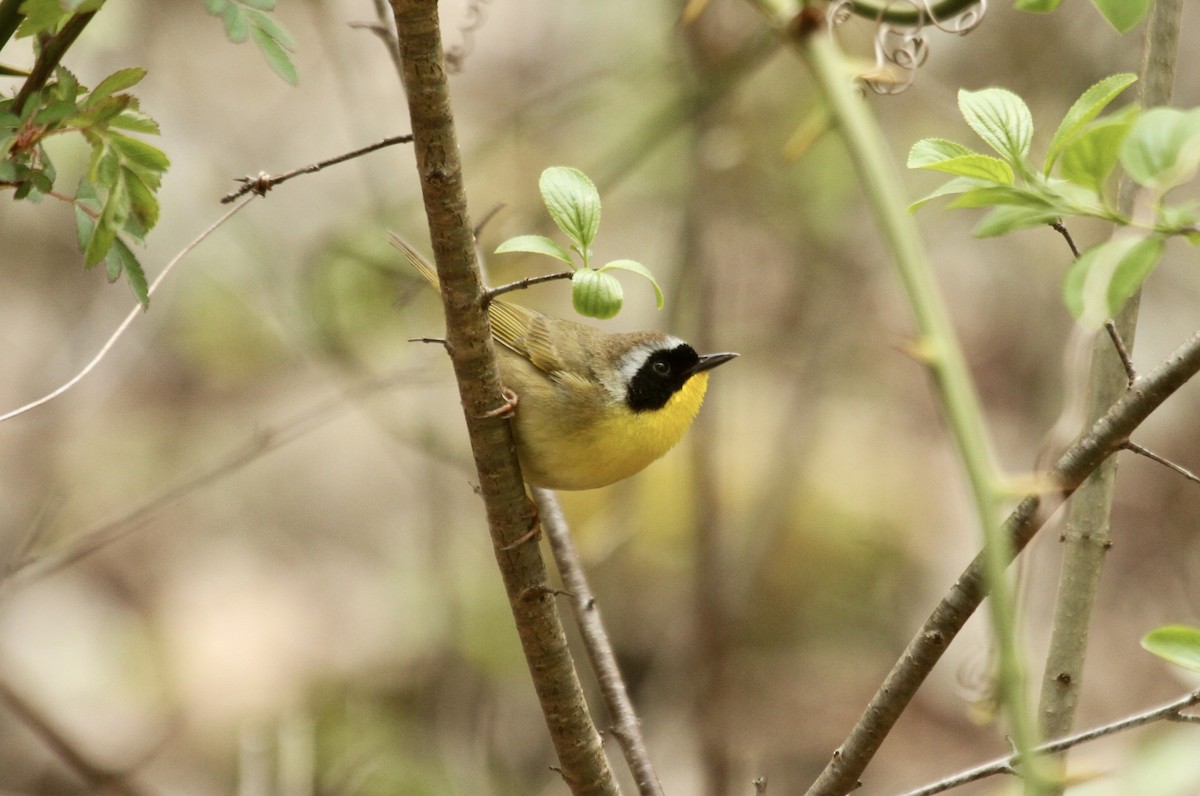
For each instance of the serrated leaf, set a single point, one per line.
(1087, 107)
(1010, 218)
(573, 203)
(135, 122)
(1177, 644)
(277, 57)
(237, 29)
(83, 228)
(98, 244)
(928, 151)
(105, 167)
(535, 244)
(633, 266)
(41, 16)
(272, 28)
(117, 81)
(143, 206)
(955, 186)
(1102, 279)
(1001, 119)
(55, 112)
(978, 167)
(595, 295)
(1124, 15)
(1163, 148)
(1091, 156)
(135, 275)
(139, 153)
(990, 196)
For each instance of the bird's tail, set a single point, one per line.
(416, 260)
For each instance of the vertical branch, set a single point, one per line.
(940, 351)
(512, 518)
(627, 727)
(1087, 535)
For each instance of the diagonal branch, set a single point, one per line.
(1107, 435)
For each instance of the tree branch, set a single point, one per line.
(1108, 434)
(627, 729)
(512, 518)
(1007, 765)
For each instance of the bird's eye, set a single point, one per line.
(661, 368)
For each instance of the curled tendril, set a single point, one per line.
(901, 49)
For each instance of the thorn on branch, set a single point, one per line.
(1133, 447)
(264, 182)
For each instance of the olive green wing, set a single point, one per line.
(527, 333)
(520, 330)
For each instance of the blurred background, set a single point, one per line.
(245, 554)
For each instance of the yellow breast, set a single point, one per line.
(608, 446)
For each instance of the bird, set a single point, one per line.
(592, 407)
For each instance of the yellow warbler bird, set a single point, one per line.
(593, 407)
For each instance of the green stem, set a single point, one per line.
(938, 348)
(1087, 537)
(909, 14)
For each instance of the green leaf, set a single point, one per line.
(955, 186)
(1038, 6)
(1001, 119)
(1009, 218)
(979, 167)
(270, 27)
(55, 112)
(1163, 148)
(139, 153)
(237, 29)
(928, 151)
(536, 244)
(277, 57)
(1087, 107)
(135, 275)
(1173, 218)
(117, 81)
(595, 295)
(41, 16)
(1090, 157)
(1105, 276)
(143, 206)
(105, 167)
(135, 122)
(573, 202)
(1177, 644)
(990, 196)
(263, 5)
(83, 228)
(1124, 15)
(635, 267)
(215, 7)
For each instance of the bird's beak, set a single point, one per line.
(710, 361)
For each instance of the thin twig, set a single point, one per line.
(521, 284)
(1008, 765)
(1106, 435)
(1133, 447)
(1123, 352)
(134, 313)
(628, 730)
(264, 182)
(488, 216)
(96, 777)
(1061, 228)
(30, 568)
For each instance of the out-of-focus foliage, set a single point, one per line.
(304, 589)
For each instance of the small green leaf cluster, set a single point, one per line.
(247, 19)
(118, 193)
(1159, 149)
(574, 204)
(48, 16)
(1177, 644)
(1124, 15)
